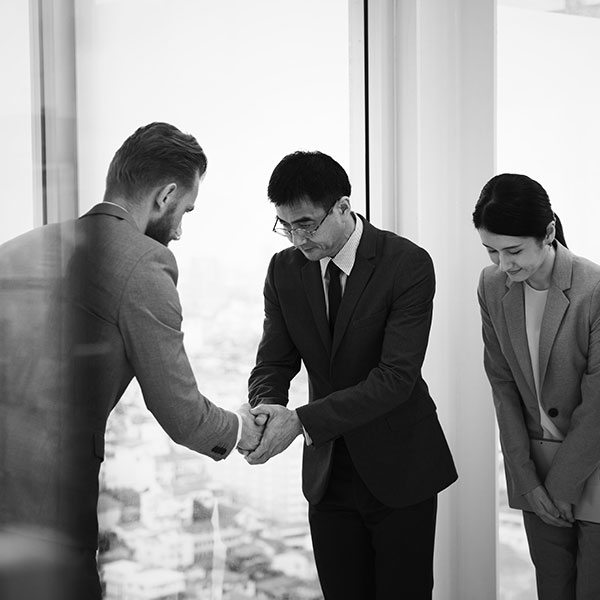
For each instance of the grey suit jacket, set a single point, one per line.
(569, 374)
(84, 307)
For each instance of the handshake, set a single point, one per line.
(267, 430)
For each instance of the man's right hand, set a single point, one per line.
(252, 429)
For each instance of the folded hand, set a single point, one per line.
(252, 429)
(551, 512)
(282, 428)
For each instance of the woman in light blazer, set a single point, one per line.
(540, 310)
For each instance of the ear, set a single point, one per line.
(550, 232)
(344, 204)
(164, 195)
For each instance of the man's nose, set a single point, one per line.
(297, 239)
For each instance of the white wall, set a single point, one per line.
(432, 149)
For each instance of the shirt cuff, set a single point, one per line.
(239, 432)
(307, 438)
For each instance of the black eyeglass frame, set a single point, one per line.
(289, 233)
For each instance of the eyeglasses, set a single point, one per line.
(289, 232)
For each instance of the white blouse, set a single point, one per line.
(535, 303)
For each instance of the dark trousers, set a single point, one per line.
(365, 550)
(39, 570)
(567, 560)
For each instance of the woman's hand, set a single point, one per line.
(552, 513)
(565, 509)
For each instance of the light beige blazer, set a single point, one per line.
(569, 374)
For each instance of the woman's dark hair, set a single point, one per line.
(155, 154)
(312, 175)
(515, 205)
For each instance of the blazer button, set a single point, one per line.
(553, 412)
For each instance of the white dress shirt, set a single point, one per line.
(344, 259)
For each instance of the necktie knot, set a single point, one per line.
(334, 292)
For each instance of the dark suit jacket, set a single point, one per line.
(84, 307)
(365, 384)
(569, 374)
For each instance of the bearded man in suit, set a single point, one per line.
(85, 306)
(354, 304)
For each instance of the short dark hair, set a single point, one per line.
(154, 154)
(515, 205)
(308, 175)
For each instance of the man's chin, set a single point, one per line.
(310, 253)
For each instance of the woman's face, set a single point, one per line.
(522, 258)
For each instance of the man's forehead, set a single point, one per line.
(301, 210)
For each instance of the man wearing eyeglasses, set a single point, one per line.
(354, 304)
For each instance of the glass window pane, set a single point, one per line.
(548, 94)
(252, 81)
(16, 152)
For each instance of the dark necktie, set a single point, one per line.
(334, 293)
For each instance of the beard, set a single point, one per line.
(163, 229)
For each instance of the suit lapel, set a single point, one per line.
(313, 287)
(356, 283)
(513, 305)
(556, 306)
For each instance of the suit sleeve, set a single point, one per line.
(514, 437)
(277, 358)
(579, 454)
(391, 382)
(150, 322)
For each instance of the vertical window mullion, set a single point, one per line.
(54, 109)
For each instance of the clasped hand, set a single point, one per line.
(268, 429)
(551, 511)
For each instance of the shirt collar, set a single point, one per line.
(115, 204)
(346, 257)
